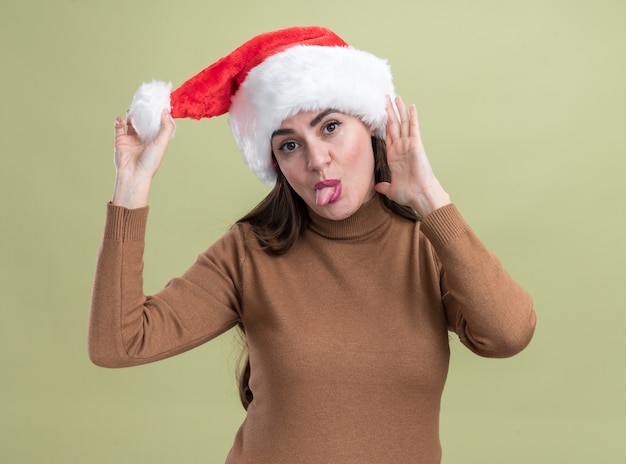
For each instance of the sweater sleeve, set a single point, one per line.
(492, 315)
(128, 328)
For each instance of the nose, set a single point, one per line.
(318, 156)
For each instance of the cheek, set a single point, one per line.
(365, 160)
(294, 177)
(367, 170)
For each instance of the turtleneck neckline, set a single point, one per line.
(368, 218)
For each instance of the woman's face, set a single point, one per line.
(327, 158)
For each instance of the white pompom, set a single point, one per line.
(145, 110)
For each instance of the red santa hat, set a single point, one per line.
(267, 80)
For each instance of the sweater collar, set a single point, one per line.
(371, 216)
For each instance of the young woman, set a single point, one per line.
(345, 279)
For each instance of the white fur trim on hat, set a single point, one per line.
(306, 78)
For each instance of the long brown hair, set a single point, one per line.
(279, 220)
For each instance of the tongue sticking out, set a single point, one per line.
(323, 196)
(327, 192)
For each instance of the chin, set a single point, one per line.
(336, 211)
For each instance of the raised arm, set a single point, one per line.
(127, 327)
(490, 312)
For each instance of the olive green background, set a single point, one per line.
(522, 112)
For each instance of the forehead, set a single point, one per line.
(310, 118)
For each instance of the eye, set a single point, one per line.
(330, 127)
(288, 147)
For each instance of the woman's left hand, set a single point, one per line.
(413, 182)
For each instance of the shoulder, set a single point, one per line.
(232, 246)
(240, 238)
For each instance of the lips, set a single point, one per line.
(327, 191)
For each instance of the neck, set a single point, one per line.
(368, 218)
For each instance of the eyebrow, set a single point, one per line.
(314, 122)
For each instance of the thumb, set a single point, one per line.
(383, 188)
(167, 129)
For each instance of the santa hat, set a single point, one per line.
(267, 80)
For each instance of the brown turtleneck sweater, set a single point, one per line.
(347, 332)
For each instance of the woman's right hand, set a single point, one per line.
(137, 162)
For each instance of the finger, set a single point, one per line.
(404, 120)
(120, 126)
(415, 125)
(166, 131)
(168, 124)
(383, 188)
(393, 126)
(130, 130)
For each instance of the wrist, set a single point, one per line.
(130, 193)
(430, 200)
